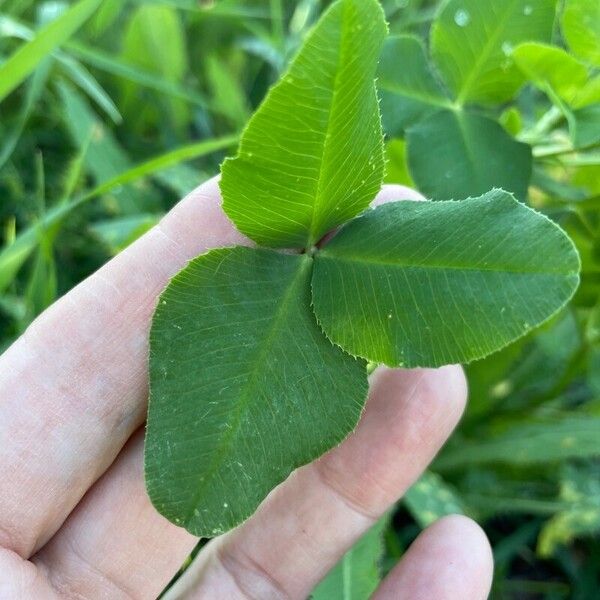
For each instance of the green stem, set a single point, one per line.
(542, 127)
(564, 150)
(371, 366)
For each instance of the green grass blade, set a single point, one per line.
(28, 56)
(165, 161)
(13, 257)
(121, 68)
(88, 84)
(35, 89)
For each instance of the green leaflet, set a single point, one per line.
(358, 574)
(550, 66)
(432, 283)
(512, 120)
(471, 43)
(581, 28)
(407, 84)
(244, 387)
(456, 154)
(312, 155)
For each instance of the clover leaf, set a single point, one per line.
(258, 357)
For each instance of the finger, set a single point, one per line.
(451, 560)
(304, 527)
(73, 388)
(115, 544)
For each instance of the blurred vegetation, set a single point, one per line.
(111, 110)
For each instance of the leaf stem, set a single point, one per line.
(371, 366)
(543, 153)
(549, 119)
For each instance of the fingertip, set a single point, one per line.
(394, 192)
(441, 393)
(450, 559)
(450, 384)
(464, 530)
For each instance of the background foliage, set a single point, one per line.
(118, 108)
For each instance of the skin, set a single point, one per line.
(75, 521)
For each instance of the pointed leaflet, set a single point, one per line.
(312, 156)
(407, 84)
(455, 154)
(471, 42)
(431, 283)
(244, 386)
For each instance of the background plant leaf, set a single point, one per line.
(431, 498)
(580, 490)
(408, 87)
(358, 574)
(545, 439)
(471, 152)
(584, 125)
(471, 42)
(551, 66)
(155, 42)
(457, 154)
(312, 155)
(244, 387)
(581, 28)
(432, 283)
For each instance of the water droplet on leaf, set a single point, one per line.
(462, 17)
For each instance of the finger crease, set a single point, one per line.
(342, 495)
(235, 567)
(66, 586)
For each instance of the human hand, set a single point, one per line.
(75, 520)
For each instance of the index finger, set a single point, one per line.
(73, 388)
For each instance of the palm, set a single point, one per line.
(75, 520)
